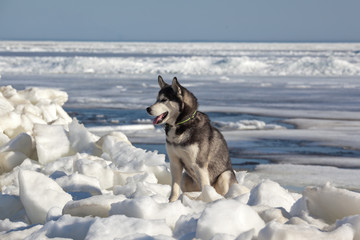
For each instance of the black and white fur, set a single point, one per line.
(194, 145)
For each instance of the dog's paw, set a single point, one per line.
(173, 198)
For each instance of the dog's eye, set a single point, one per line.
(163, 100)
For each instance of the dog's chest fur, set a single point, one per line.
(179, 145)
(177, 136)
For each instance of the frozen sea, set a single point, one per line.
(289, 112)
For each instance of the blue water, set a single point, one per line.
(114, 116)
(244, 155)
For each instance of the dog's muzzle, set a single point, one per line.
(148, 110)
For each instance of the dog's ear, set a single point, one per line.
(176, 86)
(161, 82)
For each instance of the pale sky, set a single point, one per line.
(185, 20)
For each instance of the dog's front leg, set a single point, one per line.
(176, 169)
(203, 176)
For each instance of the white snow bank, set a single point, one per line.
(77, 185)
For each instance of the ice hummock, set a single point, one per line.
(131, 58)
(74, 184)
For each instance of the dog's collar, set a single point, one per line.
(186, 120)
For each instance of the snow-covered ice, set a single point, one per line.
(70, 183)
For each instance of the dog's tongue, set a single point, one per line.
(158, 118)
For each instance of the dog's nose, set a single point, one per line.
(148, 110)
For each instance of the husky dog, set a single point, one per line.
(192, 143)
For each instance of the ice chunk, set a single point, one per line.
(277, 214)
(228, 216)
(275, 231)
(63, 117)
(44, 95)
(189, 199)
(39, 194)
(65, 164)
(129, 158)
(271, 194)
(3, 138)
(65, 227)
(162, 173)
(185, 227)
(6, 225)
(96, 167)
(112, 227)
(48, 111)
(51, 142)
(209, 194)
(248, 235)
(9, 182)
(143, 236)
(22, 233)
(246, 125)
(10, 122)
(21, 143)
(93, 206)
(147, 208)
(330, 203)
(236, 190)
(142, 184)
(142, 189)
(120, 226)
(53, 214)
(354, 221)
(9, 160)
(5, 105)
(113, 137)
(120, 178)
(79, 183)
(82, 140)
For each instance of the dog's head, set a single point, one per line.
(172, 103)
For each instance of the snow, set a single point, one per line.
(76, 185)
